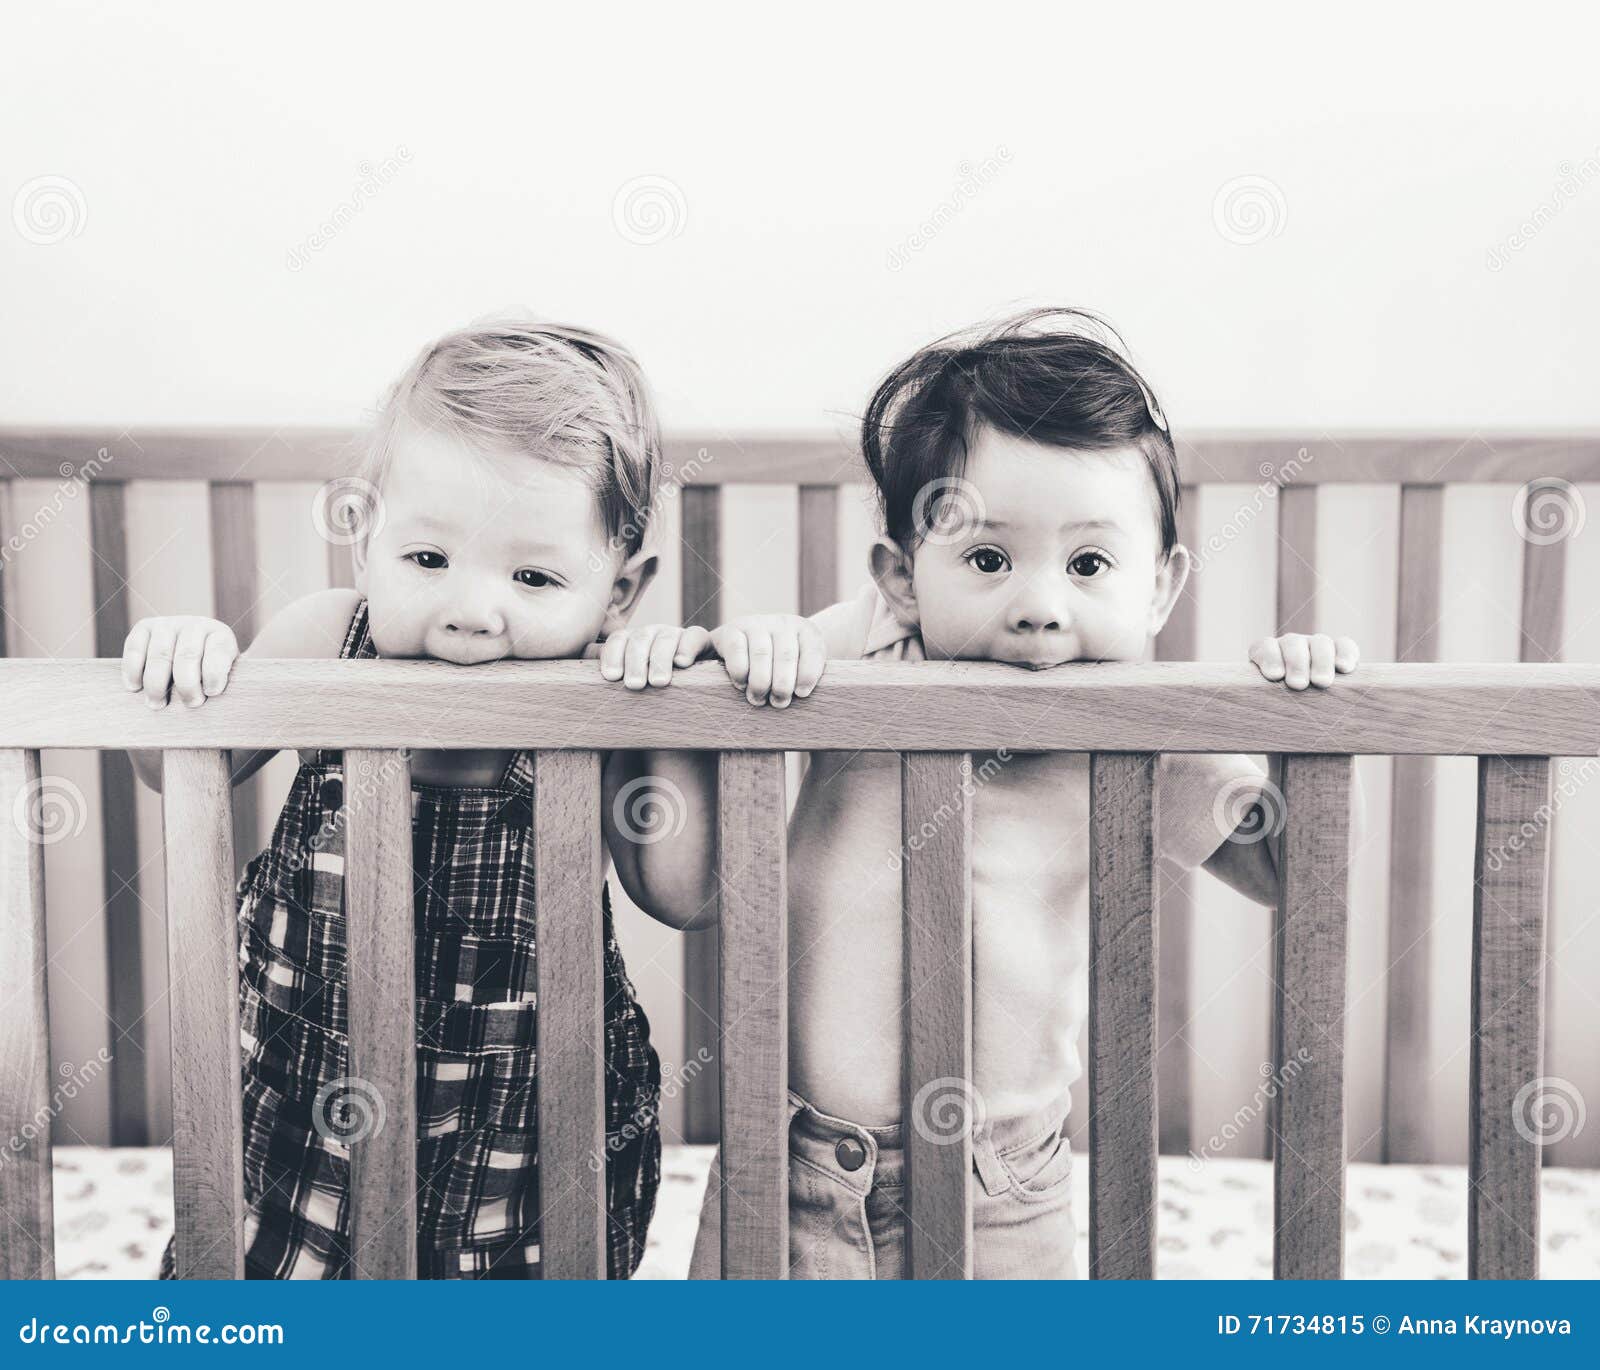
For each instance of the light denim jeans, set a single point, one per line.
(850, 1223)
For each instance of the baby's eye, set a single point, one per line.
(535, 580)
(438, 563)
(1089, 564)
(990, 561)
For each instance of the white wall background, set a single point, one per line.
(842, 183)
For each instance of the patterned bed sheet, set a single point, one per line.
(113, 1212)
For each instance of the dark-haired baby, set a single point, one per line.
(1029, 492)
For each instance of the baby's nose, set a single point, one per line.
(474, 623)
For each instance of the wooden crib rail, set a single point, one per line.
(1513, 717)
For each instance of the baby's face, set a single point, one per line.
(1045, 556)
(483, 555)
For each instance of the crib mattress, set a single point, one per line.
(113, 1210)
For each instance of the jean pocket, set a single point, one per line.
(1038, 1169)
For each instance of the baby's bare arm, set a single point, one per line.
(1247, 861)
(190, 659)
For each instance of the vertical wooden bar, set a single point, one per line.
(940, 1107)
(130, 1110)
(233, 583)
(1122, 1016)
(203, 965)
(1543, 625)
(752, 864)
(1507, 1090)
(819, 547)
(8, 589)
(1308, 1115)
(1297, 559)
(568, 875)
(27, 1227)
(382, 987)
(1407, 1103)
(702, 607)
(1178, 641)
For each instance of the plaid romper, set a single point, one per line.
(477, 1129)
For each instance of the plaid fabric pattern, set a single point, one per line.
(477, 1125)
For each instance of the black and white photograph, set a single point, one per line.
(855, 642)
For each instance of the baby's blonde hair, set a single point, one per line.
(561, 393)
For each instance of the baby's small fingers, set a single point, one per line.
(1267, 654)
(1345, 655)
(813, 661)
(759, 684)
(221, 651)
(691, 644)
(785, 667)
(735, 649)
(1321, 646)
(663, 651)
(611, 655)
(187, 651)
(133, 654)
(1296, 660)
(158, 667)
(636, 659)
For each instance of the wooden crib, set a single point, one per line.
(1514, 717)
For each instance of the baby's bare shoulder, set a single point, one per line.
(311, 626)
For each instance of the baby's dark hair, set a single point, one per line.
(1054, 376)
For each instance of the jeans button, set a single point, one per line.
(850, 1153)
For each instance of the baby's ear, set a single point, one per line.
(632, 580)
(891, 569)
(1171, 576)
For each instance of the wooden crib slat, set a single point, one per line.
(1407, 1103)
(1297, 559)
(1122, 1016)
(1178, 641)
(233, 594)
(701, 598)
(941, 1107)
(130, 1108)
(751, 880)
(568, 875)
(1508, 1093)
(1307, 1117)
(377, 1107)
(819, 547)
(1542, 627)
(27, 1227)
(8, 568)
(203, 969)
